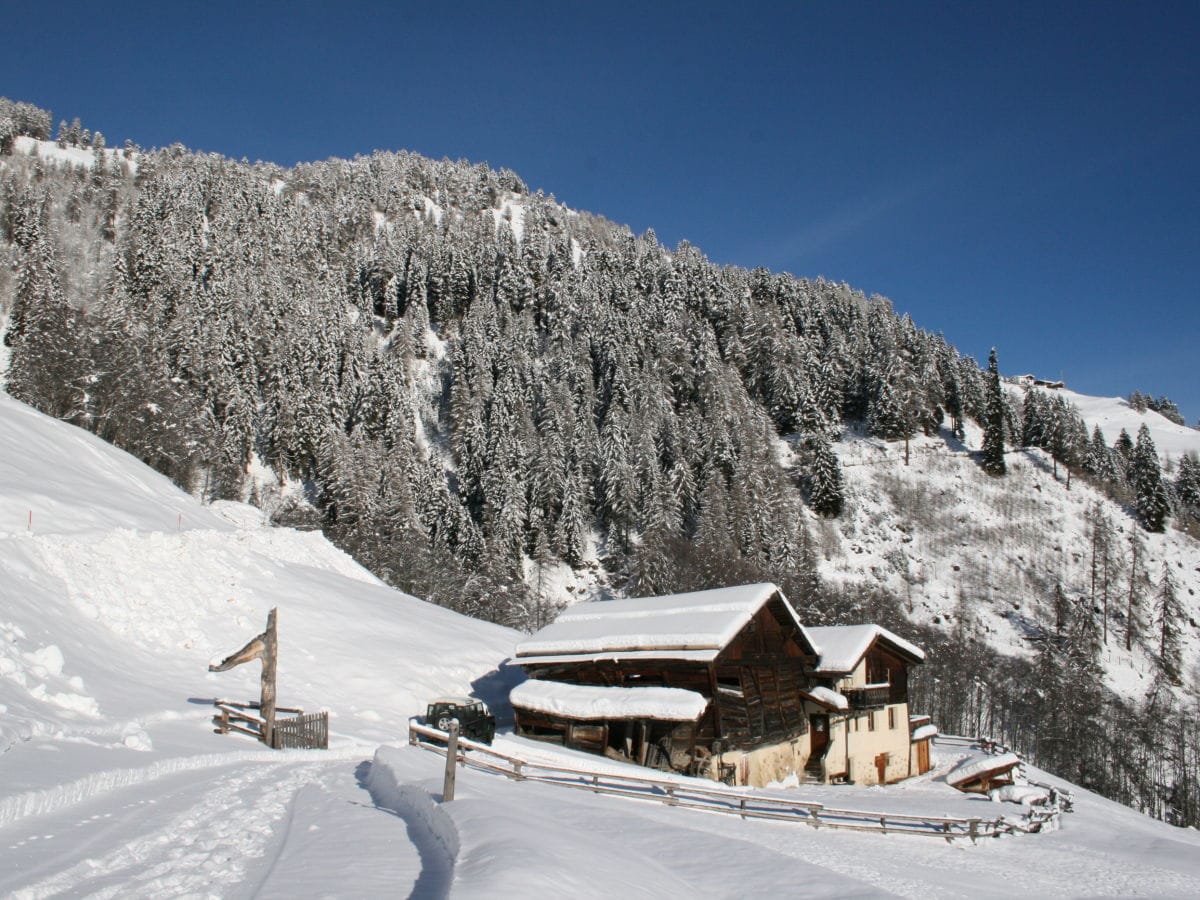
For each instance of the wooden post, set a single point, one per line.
(451, 761)
(270, 655)
(265, 648)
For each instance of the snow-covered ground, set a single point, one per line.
(1113, 414)
(76, 157)
(121, 590)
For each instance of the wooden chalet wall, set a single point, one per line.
(757, 681)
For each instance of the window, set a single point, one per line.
(870, 721)
(892, 718)
(730, 683)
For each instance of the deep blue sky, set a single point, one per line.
(1024, 176)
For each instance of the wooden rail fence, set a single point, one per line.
(293, 730)
(739, 803)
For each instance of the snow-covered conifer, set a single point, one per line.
(993, 421)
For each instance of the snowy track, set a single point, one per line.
(240, 828)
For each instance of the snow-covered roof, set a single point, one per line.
(974, 767)
(827, 697)
(585, 701)
(842, 646)
(694, 626)
(924, 731)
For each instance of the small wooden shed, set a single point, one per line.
(979, 774)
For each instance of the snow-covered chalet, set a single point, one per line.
(725, 683)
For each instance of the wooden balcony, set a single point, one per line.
(872, 696)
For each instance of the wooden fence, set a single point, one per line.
(693, 795)
(293, 729)
(303, 732)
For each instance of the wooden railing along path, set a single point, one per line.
(293, 728)
(689, 795)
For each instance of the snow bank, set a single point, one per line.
(579, 701)
(1020, 793)
(410, 802)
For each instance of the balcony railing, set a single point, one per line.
(871, 696)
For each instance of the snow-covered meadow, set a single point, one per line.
(116, 592)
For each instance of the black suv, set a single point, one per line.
(474, 720)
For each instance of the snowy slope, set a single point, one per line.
(112, 783)
(75, 157)
(945, 536)
(1112, 414)
(125, 588)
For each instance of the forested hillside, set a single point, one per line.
(495, 402)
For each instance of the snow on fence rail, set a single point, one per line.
(731, 802)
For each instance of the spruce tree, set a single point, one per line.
(1168, 616)
(1145, 476)
(1138, 581)
(825, 489)
(1187, 484)
(993, 423)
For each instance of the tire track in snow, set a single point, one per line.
(205, 850)
(49, 800)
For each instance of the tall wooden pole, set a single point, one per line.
(451, 761)
(270, 653)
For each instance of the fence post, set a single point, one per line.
(974, 831)
(517, 776)
(451, 761)
(742, 804)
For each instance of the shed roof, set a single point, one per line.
(842, 646)
(973, 768)
(823, 696)
(693, 626)
(585, 701)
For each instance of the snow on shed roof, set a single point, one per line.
(975, 767)
(585, 701)
(923, 732)
(678, 626)
(842, 646)
(827, 697)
